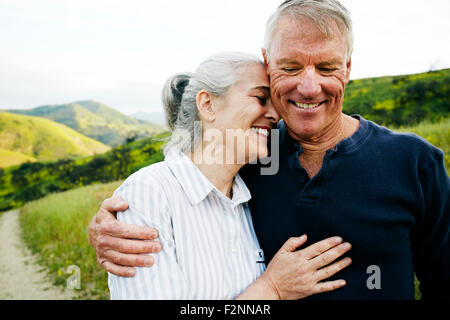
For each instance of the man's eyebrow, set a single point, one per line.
(330, 62)
(286, 61)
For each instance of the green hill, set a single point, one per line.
(400, 101)
(95, 120)
(27, 138)
(109, 114)
(33, 180)
(10, 158)
(437, 133)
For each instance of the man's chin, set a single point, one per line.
(304, 131)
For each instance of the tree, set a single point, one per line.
(2, 176)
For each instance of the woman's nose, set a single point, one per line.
(271, 113)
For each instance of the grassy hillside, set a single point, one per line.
(96, 120)
(56, 228)
(437, 134)
(10, 158)
(153, 116)
(30, 181)
(109, 114)
(400, 100)
(34, 138)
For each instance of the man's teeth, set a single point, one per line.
(306, 106)
(261, 131)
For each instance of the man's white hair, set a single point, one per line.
(319, 12)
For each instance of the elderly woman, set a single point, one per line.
(198, 202)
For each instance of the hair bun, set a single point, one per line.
(172, 94)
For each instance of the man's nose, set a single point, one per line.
(309, 84)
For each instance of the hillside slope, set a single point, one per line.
(11, 158)
(29, 181)
(41, 139)
(400, 101)
(95, 120)
(153, 116)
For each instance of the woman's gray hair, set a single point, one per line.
(215, 75)
(317, 11)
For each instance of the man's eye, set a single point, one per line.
(327, 69)
(290, 69)
(262, 100)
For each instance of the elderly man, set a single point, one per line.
(386, 193)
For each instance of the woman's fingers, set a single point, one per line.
(320, 247)
(293, 243)
(328, 286)
(297, 273)
(330, 255)
(332, 269)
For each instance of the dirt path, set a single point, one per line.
(20, 277)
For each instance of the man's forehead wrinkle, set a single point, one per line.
(327, 27)
(290, 30)
(292, 41)
(318, 52)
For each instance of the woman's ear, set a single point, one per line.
(264, 54)
(205, 105)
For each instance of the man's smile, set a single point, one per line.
(307, 106)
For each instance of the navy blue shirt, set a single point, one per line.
(386, 193)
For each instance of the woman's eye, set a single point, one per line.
(262, 100)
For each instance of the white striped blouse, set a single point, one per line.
(210, 250)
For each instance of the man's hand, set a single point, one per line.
(119, 245)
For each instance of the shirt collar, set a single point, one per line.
(290, 145)
(196, 186)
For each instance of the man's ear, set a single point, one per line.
(204, 104)
(349, 69)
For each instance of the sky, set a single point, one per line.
(121, 52)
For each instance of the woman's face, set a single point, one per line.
(245, 115)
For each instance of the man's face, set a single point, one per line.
(308, 73)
